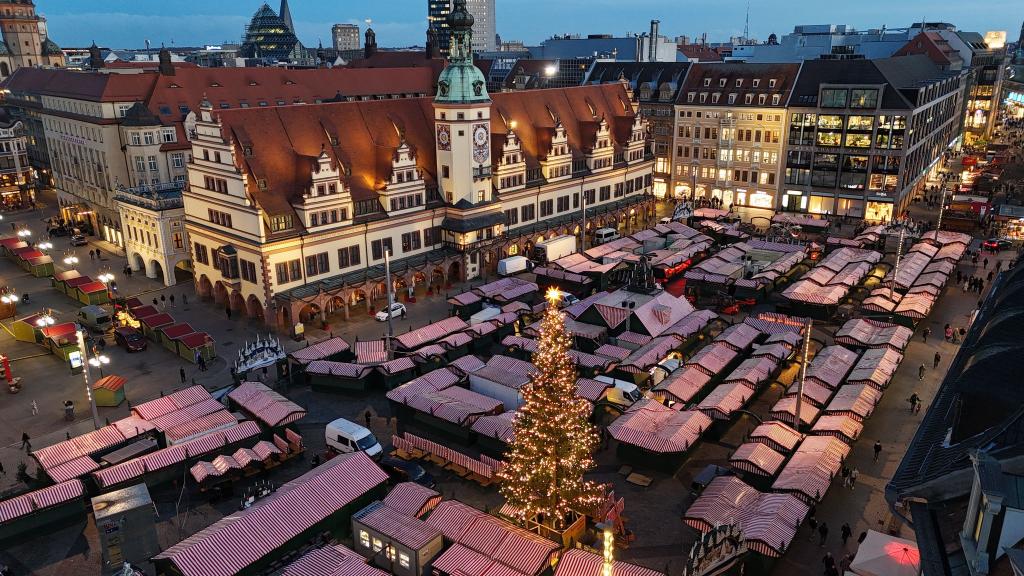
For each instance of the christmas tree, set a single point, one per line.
(554, 441)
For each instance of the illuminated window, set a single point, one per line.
(377, 545)
(364, 539)
(403, 559)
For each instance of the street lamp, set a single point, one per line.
(99, 362)
(45, 320)
(44, 246)
(71, 259)
(85, 377)
(24, 233)
(106, 277)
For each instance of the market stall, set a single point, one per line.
(109, 391)
(192, 346)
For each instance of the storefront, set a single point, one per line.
(794, 201)
(879, 211)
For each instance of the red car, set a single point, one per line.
(130, 339)
(996, 244)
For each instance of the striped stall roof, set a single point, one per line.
(713, 358)
(590, 360)
(431, 333)
(396, 366)
(453, 341)
(769, 522)
(264, 449)
(371, 352)
(453, 518)
(650, 425)
(320, 350)
(482, 329)
(857, 400)
(917, 305)
(817, 394)
(245, 456)
(464, 299)
(412, 499)
(778, 351)
(454, 404)
(684, 384)
(753, 371)
(72, 469)
(776, 435)
(336, 560)
(810, 470)
(174, 401)
(633, 338)
(341, 369)
(579, 562)
(467, 364)
(842, 426)
(590, 389)
(831, 365)
(433, 381)
(404, 529)
(430, 351)
(864, 333)
(66, 457)
(785, 408)
(691, 324)
(266, 405)
(511, 365)
(459, 560)
(739, 336)
(648, 355)
(574, 310)
(876, 367)
(201, 426)
(521, 342)
(498, 426)
(41, 499)
(613, 352)
(187, 414)
(506, 289)
(725, 400)
(756, 458)
(228, 546)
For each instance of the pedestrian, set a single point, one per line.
(920, 372)
(853, 477)
(172, 300)
(845, 532)
(227, 311)
(403, 312)
(156, 303)
(844, 564)
(846, 476)
(184, 299)
(914, 399)
(964, 286)
(368, 416)
(984, 263)
(92, 256)
(981, 285)
(25, 444)
(991, 274)
(925, 334)
(202, 363)
(181, 372)
(823, 533)
(812, 523)
(878, 449)
(829, 562)
(936, 360)
(35, 408)
(163, 302)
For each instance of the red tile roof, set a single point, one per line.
(783, 74)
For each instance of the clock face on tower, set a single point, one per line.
(444, 137)
(481, 153)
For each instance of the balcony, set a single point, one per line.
(482, 172)
(166, 196)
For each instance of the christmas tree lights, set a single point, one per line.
(554, 441)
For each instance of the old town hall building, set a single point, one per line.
(290, 210)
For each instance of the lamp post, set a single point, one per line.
(99, 362)
(803, 374)
(70, 259)
(85, 377)
(44, 246)
(942, 210)
(45, 320)
(387, 282)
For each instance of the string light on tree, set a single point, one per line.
(554, 441)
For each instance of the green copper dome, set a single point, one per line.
(461, 82)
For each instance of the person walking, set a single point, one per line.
(845, 532)
(812, 523)
(984, 263)
(25, 444)
(163, 302)
(914, 399)
(878, 449)
(829, 562)
(92, 256)
(925, 334)
(368, 416)
(853, 477)
(920, 372)
(823, 533)
(181, 373)
(844, 564)
(35, 408)
(202, 363)
(936, 360)
(846, 476)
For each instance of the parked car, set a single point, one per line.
(344, 436)
(402, 471)
(397, 309)
(130, 339)
(78, 240)
(565, 298)
(996, 244)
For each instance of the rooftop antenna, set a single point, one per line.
(746, 24)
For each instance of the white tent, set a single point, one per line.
(883, 555)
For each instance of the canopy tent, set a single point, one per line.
(883, 555)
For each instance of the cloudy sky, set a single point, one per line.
(129, 23)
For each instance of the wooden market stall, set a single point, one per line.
(93, 293)
(109, 391)
(192, 346)
(61, 339)
(169, 335)
(150, 325)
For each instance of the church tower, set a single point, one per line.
(462, 120)
(21, 35)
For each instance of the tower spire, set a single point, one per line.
(286, 15)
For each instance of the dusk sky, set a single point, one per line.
(128, 23)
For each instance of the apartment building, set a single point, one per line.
(291, 211)
(105, 132)
(16, 174)
(728, 137)
(654, 86)
(862, 135)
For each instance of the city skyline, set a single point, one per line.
(129, 24)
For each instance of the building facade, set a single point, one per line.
(862, 135)
(654, 86)
(484, 28)
(153, 225)
(728, 136)
(345, 37)
(16, 174)
(25, 42)
(445, 186)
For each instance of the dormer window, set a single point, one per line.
(707, 81)
(321, 189)
(775, 99)
(247, 151)
(756, 82)
(732, 98)
(721, 83)
(703, 97)
(690, 97)
(714, 98)
(332, 188)
(748, 99)
(761, 98)
(771, 83)
(261, 183)
(739, 82)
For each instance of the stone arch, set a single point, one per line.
(237, 301)
(253, 308)
(284, 318)
(204, 288)
(454, 272)
(334, 304)
(155, 270)
(359, 295)
(137, 262)
(419, 281)
(309, 313)
(220, 293)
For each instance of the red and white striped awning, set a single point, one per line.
(683, 384)
(579, 562)
(431, 333)
(713, 358)
(39, 500)
(267, 406)
(650, 425)
(371, 352)
(857, 400)
(412, 499)
(842, 426)
(432, 381)
(861, 332)
(336, 560)
(776, 435)
(498, 426)
(321, 350)
(725, 400)
(810, 470)
(408, 531)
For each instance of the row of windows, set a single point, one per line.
(150, 138)
(215, 184)
(511, 181)
(748, 99)
(148, 162)
(328, 217)
(219, 218)
(755, 82)
(407, 201)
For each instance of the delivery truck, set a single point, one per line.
(555, 248)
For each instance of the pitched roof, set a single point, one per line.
(784, 75)
(90, 86)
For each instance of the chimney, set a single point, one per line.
(652, 48)
(166, 67)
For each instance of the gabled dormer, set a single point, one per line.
(558, 163)
(327, 202)
(602, 153)
(405, 189)
(637, 143)
(510, 173)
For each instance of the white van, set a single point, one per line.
(605, 235)
(345, 436)
(565, 299)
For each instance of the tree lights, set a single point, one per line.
(554, 442)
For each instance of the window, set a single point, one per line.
(140, 164)
(771, 83)
(707, 81)
(152, 163)
(377, 544)
(528, 212)
(546, 208)
(364, 539)
(403, 559)
(227, 262)
(833, 97)
(317, 264)
(168, 136)
(775, 99)
(220, 218)
(179, 241)
(563, 203)
(863, 98)
(248, 270)
(178, 160)
(445, 173)
(202, 254)
(432, 236)
(148, 139)
(411, 241)
(348, 257)
(378, 247)
(136, 140)
(279, 223)
(511, 217)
